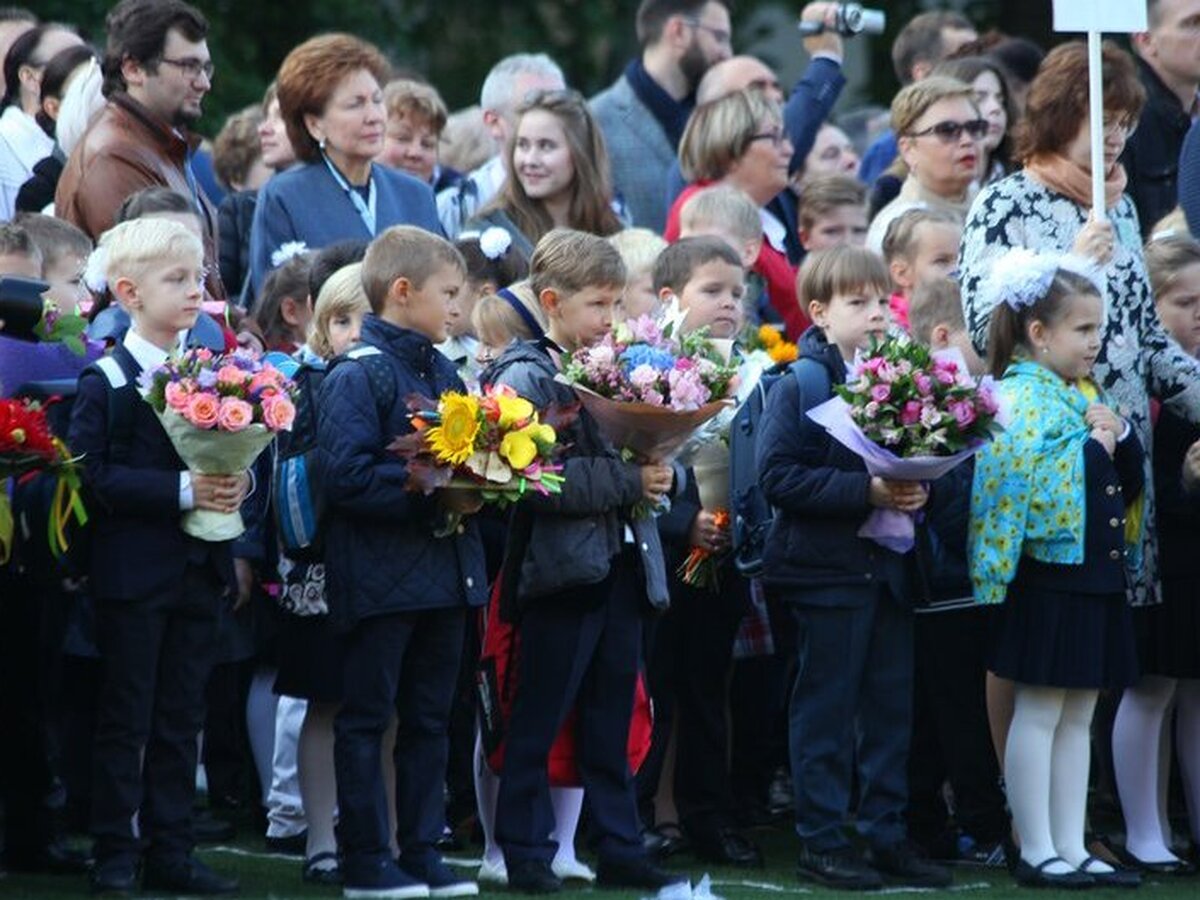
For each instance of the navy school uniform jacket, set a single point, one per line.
(381, 555)
(1112, 484)
(820, 491)
(138, 548)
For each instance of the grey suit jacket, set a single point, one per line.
(638, 151)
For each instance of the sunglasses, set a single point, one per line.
(950, 132)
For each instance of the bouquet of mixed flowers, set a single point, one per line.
(27, 446)
(911, 415)
(648, 389)
(220, 412)
(495, 443)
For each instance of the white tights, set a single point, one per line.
(568, 804)
(1046, 764)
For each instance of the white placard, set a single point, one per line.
(1121, 16)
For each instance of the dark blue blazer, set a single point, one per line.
(820, 491)
(1178, 509)
(306, 204)
(138, 548)
(381, 552)
(1111, 485)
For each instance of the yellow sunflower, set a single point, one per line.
(453, 441)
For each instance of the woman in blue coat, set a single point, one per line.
(331, 97)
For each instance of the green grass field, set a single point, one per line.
(271, 877)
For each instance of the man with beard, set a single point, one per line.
(643, 113)
(157, 69)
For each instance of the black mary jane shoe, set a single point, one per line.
(1037, 876)
(315, 873)
(1120, 876)
(1177, 867)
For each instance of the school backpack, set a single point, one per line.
(752, 514)
(297, 492)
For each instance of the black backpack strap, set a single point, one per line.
(380, 376)
(120, 375)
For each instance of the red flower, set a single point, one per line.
(24, 430)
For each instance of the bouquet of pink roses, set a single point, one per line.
(911, 415)
(648, 389)
(220, 412)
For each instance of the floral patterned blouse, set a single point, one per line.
(1137, 359)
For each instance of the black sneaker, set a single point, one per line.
(633, 873)
(533, 876)
(901, 864)
(186, 876)
(843, 869)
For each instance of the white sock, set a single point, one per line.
(1069, 778)
(568, 804)
(1138, 759)
(1187, 737)
(487, 791)
(1027, 770)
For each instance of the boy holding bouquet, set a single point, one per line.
(156, 605)
(582, 572)
(847, 594)
(399, 579)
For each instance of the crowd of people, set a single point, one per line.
(427, 672)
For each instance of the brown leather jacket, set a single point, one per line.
(125, 149)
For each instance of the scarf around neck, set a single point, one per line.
(670, 113)
(1060, 174)
(1028, 498)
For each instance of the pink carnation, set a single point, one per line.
(234, 414)
(176, 396)
(278, 412)
(202, 410)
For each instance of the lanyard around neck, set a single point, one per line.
(365, 208)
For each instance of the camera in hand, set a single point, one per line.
(851, 19)
(21, 306)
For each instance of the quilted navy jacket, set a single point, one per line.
(382, 555)
(820, 491)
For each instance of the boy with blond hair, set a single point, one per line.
(639, 248)
(401, 571)
(157, 590)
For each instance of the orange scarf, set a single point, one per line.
(1060, 174)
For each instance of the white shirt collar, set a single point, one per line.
(773, 230)
(145, 354)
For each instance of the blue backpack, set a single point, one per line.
(752, 514)
(297, 490)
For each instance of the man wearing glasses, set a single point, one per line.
(644, 112)
(157, 70)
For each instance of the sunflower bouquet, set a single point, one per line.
(495, 443)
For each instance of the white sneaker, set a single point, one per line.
(572, 870)
(492, 872)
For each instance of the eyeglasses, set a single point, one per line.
(1121, 127)
(776, 137)
(191, 67)
(720, 35)
(950, 132)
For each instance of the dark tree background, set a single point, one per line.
(453, 43)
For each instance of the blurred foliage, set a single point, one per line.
(453, 43)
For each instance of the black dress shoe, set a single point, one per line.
(292, 845)
(1118, 877)
(901, 864)
(532, 876)
(633, 873)
(113, 880)
(725, 846)
(1180, 867)
(54, 858)
(1037, 876)
(187, 876)
(843, 869)
(664, 840)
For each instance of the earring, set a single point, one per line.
(321, 143)
(1045, 349)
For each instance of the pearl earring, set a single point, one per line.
(321, 143)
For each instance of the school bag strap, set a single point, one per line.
(380, 375)
(120, 374)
